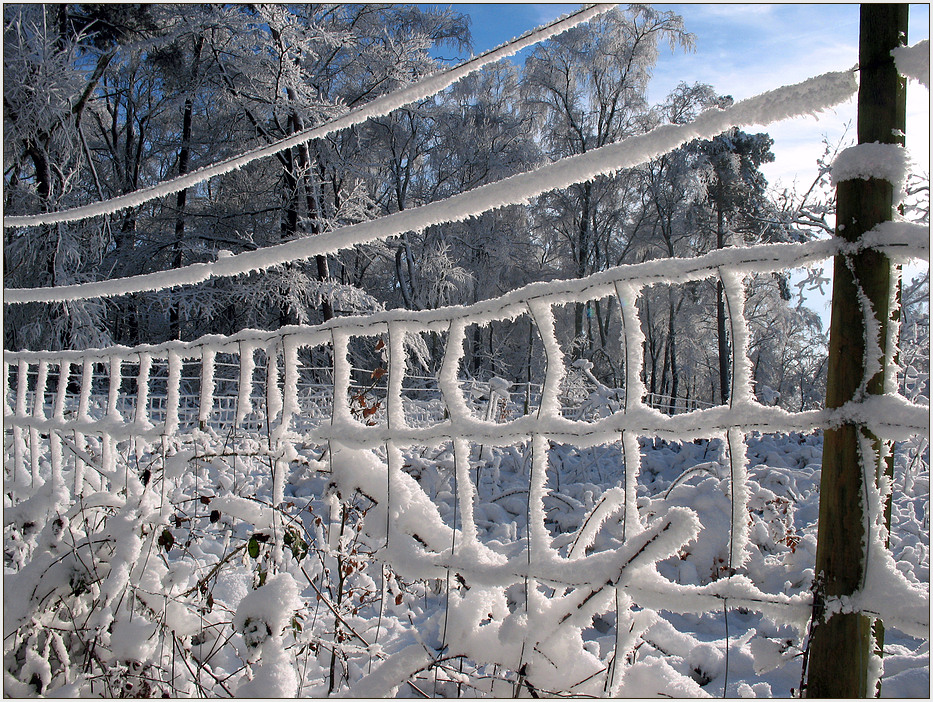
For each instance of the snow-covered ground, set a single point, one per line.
(190, 581)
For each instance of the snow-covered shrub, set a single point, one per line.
(173, 571)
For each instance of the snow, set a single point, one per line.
(397, 364)
(913, 682)
(914, 61)
(500, 386)
(133, 639)
(207, 383)
(245, 385)
(485, 622)
(386, 679)
(254, 513)
(172, 393)
(474, 550)
(889, 162)
(895, 237)
(142, 393)
(266, 611)
(274, 678)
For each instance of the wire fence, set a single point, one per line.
(103, 410)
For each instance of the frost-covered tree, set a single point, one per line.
(587, 88)
(914, 343)
(473, 134)
(322, 61)
(55, 58)
(482, 136)
(663, 228)
(730, 210)
(103, 100)
(692, 200)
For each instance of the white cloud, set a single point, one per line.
(736, 12)
(743, 50)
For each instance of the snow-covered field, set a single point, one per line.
(191, 582)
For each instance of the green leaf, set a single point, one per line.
(252, 548)
(297, 545)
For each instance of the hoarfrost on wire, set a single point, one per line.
(809, 97)
(424, 88)
(914, 61)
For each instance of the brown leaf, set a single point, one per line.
(166, 540)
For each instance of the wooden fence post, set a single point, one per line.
(841, 646)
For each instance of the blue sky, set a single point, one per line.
(742, 50)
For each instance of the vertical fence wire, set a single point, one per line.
(740, 396)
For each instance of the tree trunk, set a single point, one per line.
(180, 201)
(289, 229)
(407, 287)
(313, 204)
(184, 159)
(582, 246)
(531, 342)
(675, 372)
(315, 208)
(724, 379)
(841, 647)
(476, 350)
(665, 360)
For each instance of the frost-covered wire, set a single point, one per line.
(424, 88)
(809, 97)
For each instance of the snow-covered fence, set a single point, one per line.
(367, 436)
(102, 446)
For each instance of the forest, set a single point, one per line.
(134, 94)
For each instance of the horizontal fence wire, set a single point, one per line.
(808, 97)
(420, 90)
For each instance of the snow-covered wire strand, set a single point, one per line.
(761, 258)
(809, 97)
(424, 88)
